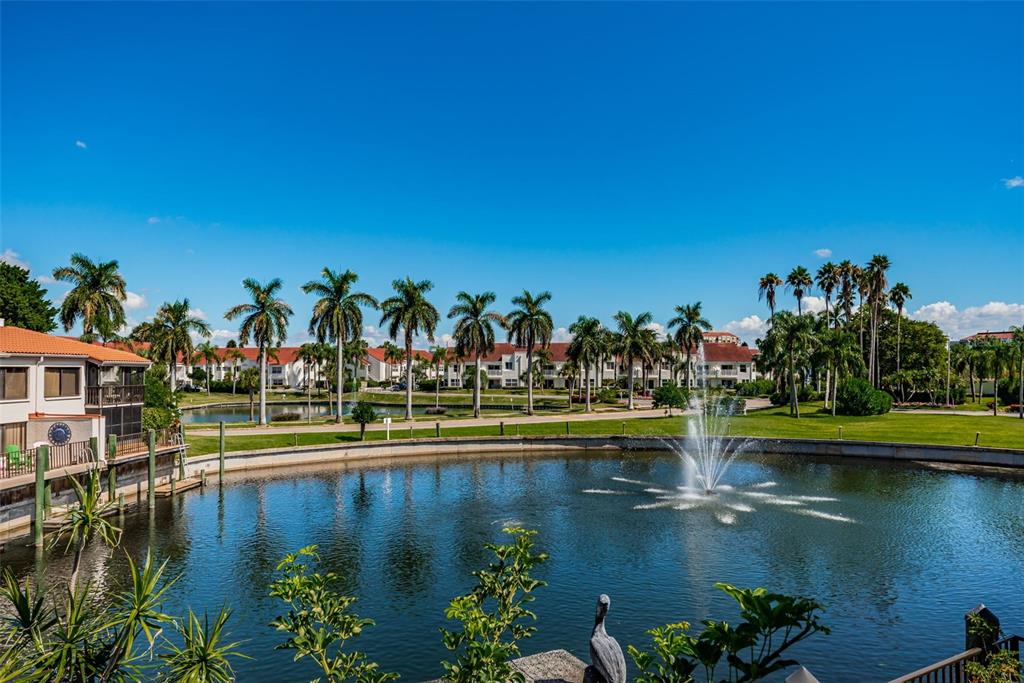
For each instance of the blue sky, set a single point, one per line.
(622, 156)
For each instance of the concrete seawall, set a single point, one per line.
(374, 450)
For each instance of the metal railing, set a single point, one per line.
(137, 444)
(114, 394)
(954, 669)
(23, 461)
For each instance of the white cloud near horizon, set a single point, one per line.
(824, 252)
(13, 258)
(562, 334)
(153, 220)
(1015, 181)
(133, 301)
(995, 316)
(198, 313)
(749, 328)
(80, 145)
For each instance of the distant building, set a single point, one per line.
(56, 390)
(987, 336)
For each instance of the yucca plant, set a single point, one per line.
(86, 520)
(203, 656)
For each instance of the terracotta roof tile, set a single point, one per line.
(16, 340)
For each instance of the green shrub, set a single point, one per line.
(857, 397)
(158, 394)
(755, 387)
(428, 384)
(221, 386)
(725, 405)
(363, 413)
(159, 418)
(286, 417)
(670, 396)
(1008, 391)
(607, 395)
(804, 394)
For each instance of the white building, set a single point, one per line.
(56, 390)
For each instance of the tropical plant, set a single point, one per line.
(363, 413)
(751, 650)
(857, 397)
(766, 288)
(877, 284)
(409, 313)
(439, 357)
(840, 351)
(631, 343)
(96, 297)
(474, 331)
(899, 294)
(265, 321)
(319, 620)
(828, 278)
(529, 325)
(799, 281)
(791, 341)
(87, 519)
(585, 348)
(690, 325)
(170, 335)
(1018, 341)
(492, 615)
(250, 380)
(202, 656)
(23, 302)
(669, 396)
(337, 316)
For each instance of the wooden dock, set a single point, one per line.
(57, 518)
(164, 490)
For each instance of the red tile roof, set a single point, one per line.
(417, 354)
(284, 355)
(719, 352)
(18, 341)
(978, 336)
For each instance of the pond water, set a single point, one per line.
(240, 412)
(897, 554)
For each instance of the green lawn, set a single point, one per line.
(895, 427)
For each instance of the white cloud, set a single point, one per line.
(823, 252)
(153, 220)
(222, 335)
(45, 280)
(659, 330)
(562, 334)
(812, 304)
(1015, 181)
(995, 316)
(133, 301)
(198, 313)
(374, 336)
(13, 258)
(749, 328)
(80, 145)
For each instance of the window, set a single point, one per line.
(511, 383)
(13, 384)
(727, 367)
(743, 368)
(13, 434)
(509, 365)
(60, 382)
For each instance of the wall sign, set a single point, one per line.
(59, 433)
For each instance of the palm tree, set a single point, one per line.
(250, 380)
(766, 287)
(795, 338)
(265, 320)
(1018, 341)
(899, 295)
(474, 331)
(529, 324)
(337, 315)
(827, 279)
(207, 353)
(170, 335)
(632, 341)
(234, 354)
(877, 288)
(690, 325)
(393, 354)
(585, 347)
(357, 353)
(847, 288)
(97, 296)
(439, 357)
(408, 312)
(310, 356)
(799, 280)
(843, 355)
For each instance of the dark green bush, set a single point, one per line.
(1008, 391)
(607, 395)
(158, 418)
(755, 387)
(287, 417)
(804, 393)
(856, 397)
(669, 396)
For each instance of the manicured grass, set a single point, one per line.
(894, 427)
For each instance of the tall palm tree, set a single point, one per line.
(799, 281)
(233, 355)
(207, 353)
(847, 288)
(474, 330)
(393, 354)
(877, 296)
(585, 347)
(439, 357)
(265, 320)
(408, 312)
(827, 279)
(795, 337)
(170, 335)
(1018, 341)
(528, 325)
(766, 287)
(309, 355)
(689, 325)
(632, 341)
(357, 353)
(96, 297)
(898, 296)
(337, 315)
(843, 355)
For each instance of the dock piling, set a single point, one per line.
(151, 472)
(42, 455)
(220, 472)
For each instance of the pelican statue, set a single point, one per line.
(605, 653)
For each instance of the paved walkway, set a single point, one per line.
(510, 421)
(969, 413)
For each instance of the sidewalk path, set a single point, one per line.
(969, 413)
(396, 424)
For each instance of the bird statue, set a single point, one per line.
(605, 654)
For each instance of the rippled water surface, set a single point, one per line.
(896, 553)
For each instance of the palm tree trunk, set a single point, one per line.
(1020, 387)
(309, 394)
(630, 368)
(263, 385)
(437, 387)
(476, 387)
(408, 375)
(586, 378)
(341, 375)
(834, 385)
(174, 367)
(794, 407)
(529, 378)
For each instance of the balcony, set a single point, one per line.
(114, 395)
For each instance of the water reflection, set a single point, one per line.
(404, 538)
